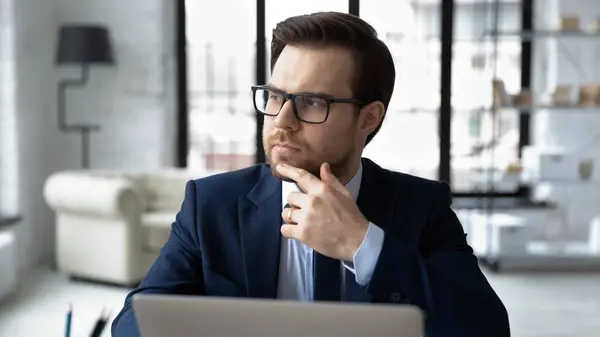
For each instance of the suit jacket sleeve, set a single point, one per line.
(178, 269)
(443, 278)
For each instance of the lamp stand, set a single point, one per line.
(85, 130)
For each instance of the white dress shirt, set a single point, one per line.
(296, 259)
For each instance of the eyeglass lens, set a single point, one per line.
(308, 108)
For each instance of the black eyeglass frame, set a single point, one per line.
(291, 97)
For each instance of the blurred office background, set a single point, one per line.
(499, 98)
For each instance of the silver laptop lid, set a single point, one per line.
(186, 316)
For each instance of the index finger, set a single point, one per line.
(305, 180)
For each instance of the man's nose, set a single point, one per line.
(286, 118)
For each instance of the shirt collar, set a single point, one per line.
(353, 186)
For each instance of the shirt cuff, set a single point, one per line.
(366, 256)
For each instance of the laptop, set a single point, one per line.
(187, 316)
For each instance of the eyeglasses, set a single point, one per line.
(308, 108)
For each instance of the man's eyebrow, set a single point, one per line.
(271, 86)
(315, 93)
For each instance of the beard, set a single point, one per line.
(305, 158)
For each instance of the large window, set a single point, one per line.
(485, 135)
(408, 140)
(221, 61)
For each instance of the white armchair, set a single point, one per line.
(110, 226)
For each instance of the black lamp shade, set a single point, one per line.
(84, 44)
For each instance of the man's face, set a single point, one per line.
(288, 140)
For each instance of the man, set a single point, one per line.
(352, 231)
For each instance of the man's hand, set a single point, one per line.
(326, 217)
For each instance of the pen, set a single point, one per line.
(100, 324)
(68, 324)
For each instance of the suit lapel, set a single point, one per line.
(375, 201)
(260, 222)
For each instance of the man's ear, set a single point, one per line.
(371, 116)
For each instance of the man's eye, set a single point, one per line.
(309, 101)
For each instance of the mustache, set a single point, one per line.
(281, 137)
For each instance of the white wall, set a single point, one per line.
(8, 133)
(570, 61)
(35, 106)
(133, 102)
(129, 100)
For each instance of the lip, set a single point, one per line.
(286, 146)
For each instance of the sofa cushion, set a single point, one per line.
(165, 190)
(156, 227)
(136, 178)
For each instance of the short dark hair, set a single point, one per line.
(374, 71)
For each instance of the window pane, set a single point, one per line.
(484, 140)
(222, 123)
(408, 140)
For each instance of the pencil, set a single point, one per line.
(68, 324)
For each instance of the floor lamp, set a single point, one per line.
(81, 45)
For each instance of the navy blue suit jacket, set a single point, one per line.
(225, 241)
